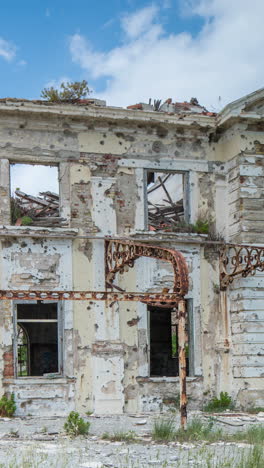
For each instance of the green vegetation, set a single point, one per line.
(7, 406)
(200, 227)
(254, 459)
(68, 92)
(198, 431)
(163, 430)
(253, 435)
(75, 425)
(119, 436)
(15, 210)
(174, 345)
(255, 409)
(26, 221)
(219, 404)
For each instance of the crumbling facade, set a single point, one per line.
(172, 177)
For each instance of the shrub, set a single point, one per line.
(163, 429)
(7, 406)
(201, 227)
(68, 92)
(219, 404)
(26, 221)
(75, 425)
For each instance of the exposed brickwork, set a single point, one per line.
(8, 364)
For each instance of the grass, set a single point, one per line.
(218, 405)
(198, 431)
(254, 459)
(119, 436)
(253, 435)
(255, 410)
(163, 429)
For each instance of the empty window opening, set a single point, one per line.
(34, 195)
(37, 340)
(23, 349)
(166, 200)
(164, 360)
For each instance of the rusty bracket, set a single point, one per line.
(239, 260)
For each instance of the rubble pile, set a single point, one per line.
(40, 211)
(167, 213)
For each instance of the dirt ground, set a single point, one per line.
(42, 442)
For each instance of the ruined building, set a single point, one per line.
(162, 201)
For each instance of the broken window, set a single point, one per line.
(37, 331)
(167, 200)
(163, 328)
(35, 195)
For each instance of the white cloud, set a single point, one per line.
(34, 179)
(57, 83)
(7, 50)
(137, 23)
(224, 59)
(22, 63)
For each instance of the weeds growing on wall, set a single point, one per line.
(7, 406)
(222, 403)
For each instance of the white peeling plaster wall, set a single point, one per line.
(31, 264)
(154, 275)
(26, 265)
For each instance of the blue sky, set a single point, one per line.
(41, 34)
(132, 50)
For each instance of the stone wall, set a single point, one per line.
(102, 156)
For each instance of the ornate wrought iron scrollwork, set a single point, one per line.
(239, 260)
(121, 255)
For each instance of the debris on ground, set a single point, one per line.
(42, 211)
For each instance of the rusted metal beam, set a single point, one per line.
(182, 343)
(121, 255)
(42, 295)
(239, 260)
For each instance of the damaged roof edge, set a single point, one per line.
(97, 109)
(235, 108)
(114, 113)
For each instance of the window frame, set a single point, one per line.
(191, 342)
(186, 192)
(13, 162)
(60, 328)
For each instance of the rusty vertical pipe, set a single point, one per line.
(182, 342)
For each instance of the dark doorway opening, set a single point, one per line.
(164, 359)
